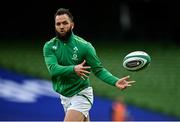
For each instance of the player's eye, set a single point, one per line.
(58, 23)
(65, 23)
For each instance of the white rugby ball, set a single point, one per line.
(136, 60)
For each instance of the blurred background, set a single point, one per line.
(115, 28)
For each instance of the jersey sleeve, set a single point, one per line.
(52, 64)
(97, 68)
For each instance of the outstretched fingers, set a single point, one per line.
(124, 82)
(82, 77)
(125, 78)
(130, 82)
(83, 62)
(84, 74)
(85, 71)
(86, 67)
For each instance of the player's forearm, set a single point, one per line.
(58, 70)
(107, 77)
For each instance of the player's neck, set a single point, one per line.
(65, 38)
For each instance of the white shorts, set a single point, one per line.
(81, 102)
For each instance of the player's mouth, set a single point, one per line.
(62, 31)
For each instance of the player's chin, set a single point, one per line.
(63, 34)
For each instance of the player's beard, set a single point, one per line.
(64, 37)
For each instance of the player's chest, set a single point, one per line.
(68, 54)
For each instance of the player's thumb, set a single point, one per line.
(125, 78)
(83, 62)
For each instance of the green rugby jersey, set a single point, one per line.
(61, 57)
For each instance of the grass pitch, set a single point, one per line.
(156, 87)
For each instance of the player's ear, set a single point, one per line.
(72, 26)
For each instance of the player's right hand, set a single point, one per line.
(81, 70)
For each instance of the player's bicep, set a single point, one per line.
(49, 56)
(93, 59)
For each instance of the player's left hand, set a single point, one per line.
(124, 83)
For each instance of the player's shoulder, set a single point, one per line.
(86, 44)
(81, 40)
(50, 42)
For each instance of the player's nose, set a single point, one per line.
(61, 26)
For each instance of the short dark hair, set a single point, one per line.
(62, 11)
